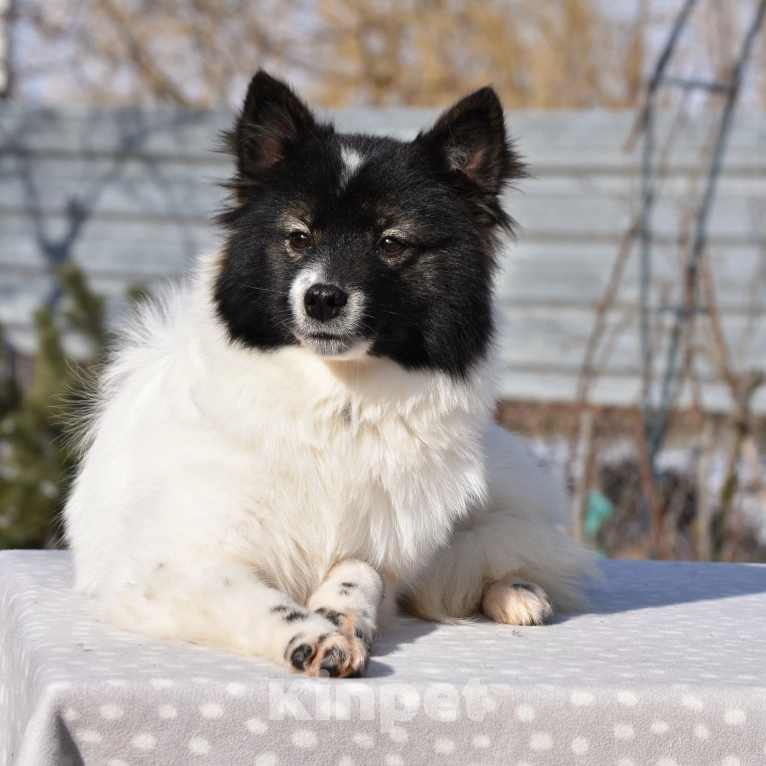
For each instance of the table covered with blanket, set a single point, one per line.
(668, 667)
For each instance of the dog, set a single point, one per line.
(301, 436)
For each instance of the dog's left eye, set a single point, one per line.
(391, 245)
(299, 240)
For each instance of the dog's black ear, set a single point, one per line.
(273, 121)
(470, 143)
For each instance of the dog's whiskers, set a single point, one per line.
(268, 290)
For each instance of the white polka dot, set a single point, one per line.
(256, 726)
(701, 731)
(236, 689)
(70, 714)
(541, 741)
(117, 762)
(88, 735)
(481, 741)
(367, 741)
(394, 760)
(666, 762)
(161, 683)
(629, 699)
(659, 727)
(444, 746)
(143, 741)
(626, 762)
(111, 712)
(211, 710)
(734, 717)
(346, 762)
(581, 698)
(199, 746)
(525, 713)
(398, 734)
(167, 711)
(580, 746)
(305, 739)
(692, 702)
(266, 759)
(624, 731)
(731, 760)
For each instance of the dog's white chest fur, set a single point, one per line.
(282, 461)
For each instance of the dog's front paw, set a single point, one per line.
(350, 622)
(336, 654)
(516, 602)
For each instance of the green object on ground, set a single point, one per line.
(598, 510)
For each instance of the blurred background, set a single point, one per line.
(634, 347)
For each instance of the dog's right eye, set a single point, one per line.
(299, 240)
(391, 245)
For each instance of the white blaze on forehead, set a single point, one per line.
(352, 160)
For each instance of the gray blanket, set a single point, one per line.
(668, 668)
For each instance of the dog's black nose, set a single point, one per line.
(323, 302)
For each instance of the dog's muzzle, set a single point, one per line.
(327, 318)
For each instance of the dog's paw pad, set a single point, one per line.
(334, 655)
(300, 655)
(340, 656)
(516, 602)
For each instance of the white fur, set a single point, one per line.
(352, 161)
(219, 482)
(303, 280)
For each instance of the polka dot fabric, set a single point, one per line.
(668, 668)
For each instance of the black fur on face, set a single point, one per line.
(353, 244)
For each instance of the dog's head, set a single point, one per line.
(354, 245)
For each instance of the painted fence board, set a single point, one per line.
(130, 195)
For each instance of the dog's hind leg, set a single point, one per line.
(350, 597)
(516, 602)
(510, 558)
(222, 603)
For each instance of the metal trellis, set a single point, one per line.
(655, 420)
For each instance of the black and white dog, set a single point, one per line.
(302, 434)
